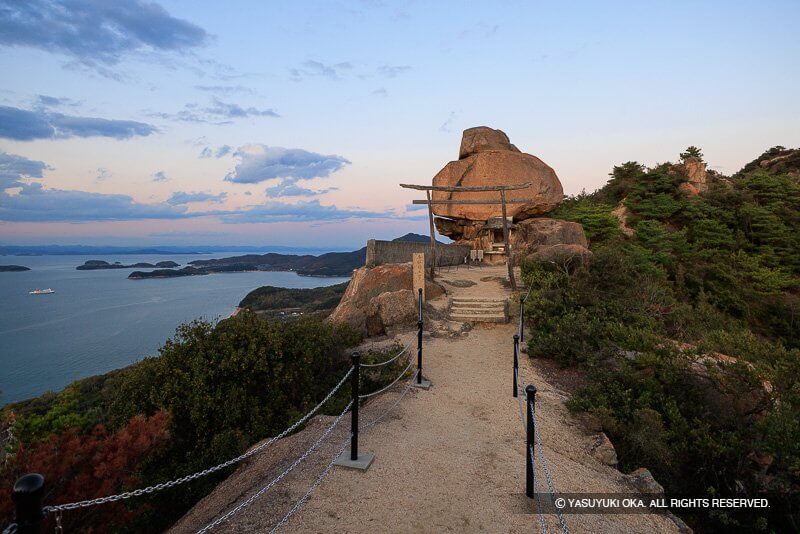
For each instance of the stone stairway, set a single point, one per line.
(479, 309)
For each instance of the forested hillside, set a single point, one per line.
(686, 328)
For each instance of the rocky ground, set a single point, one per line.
(447, 459)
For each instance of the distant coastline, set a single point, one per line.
(94, 265)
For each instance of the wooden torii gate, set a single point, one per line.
(472, 189)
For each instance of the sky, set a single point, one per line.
(292, 123)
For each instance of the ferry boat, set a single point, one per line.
(41, 291)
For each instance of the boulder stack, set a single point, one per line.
(487, 157)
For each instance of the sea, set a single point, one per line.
(97, 321)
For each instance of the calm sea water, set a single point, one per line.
(97, 321)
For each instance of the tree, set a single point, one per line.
(692, 152)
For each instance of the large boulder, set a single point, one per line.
(391, 309)
(368, 305)
(488, 158)
(531, 234)
(482, 139)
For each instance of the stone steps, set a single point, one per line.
(479, 309)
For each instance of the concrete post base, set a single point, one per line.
(425, 384)
(362, 464)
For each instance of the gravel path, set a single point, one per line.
(450, 459)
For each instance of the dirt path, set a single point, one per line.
(450, 459)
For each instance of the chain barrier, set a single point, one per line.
(299, 504)
(546, 470)
(542, 524)
(402, 373)
(280, 477)
(393, 358)
(188, 478)
(392, 407)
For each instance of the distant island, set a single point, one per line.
(282, 302)
(93, 265)
(13, 268)
(330, 264)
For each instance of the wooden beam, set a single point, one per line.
(467, 189)
(469, 201)
(507, 244)
(433, 236)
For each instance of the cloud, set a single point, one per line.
(391, 71)
(36, 204)
(180, 197)
(102, 174)
(95, 33)
(448, 124)
(258, 163)
(380, 91)
(14, 169)
(273, 211)
(225, 89)
(218, 112)
(208, 152)
(25, 125)
(47, 101)
(160, 176)
(313, 68)
(289, 188)
(232, 111)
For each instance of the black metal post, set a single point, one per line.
(27, 496)
(516, 363)
(354, 408)
(419, 340)
(530, 392)
(522, 319)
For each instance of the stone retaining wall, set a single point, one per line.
(383, 252)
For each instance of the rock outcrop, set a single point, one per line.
(532, 234)
(603, 450)
(694, 170)
(381, 297)
(487, 157)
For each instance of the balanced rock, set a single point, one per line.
(381, 297)
(488, 158)
(482, 139)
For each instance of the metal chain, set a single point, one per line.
(316, 483)
(520, 394)
(392, 407)
(188, 478)
(311, 489)
(280, 477)
(403, 372)
(546, 470)
(542, 523)
(393, 358)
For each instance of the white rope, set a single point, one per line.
(393, 358)
(277, 479)
(403, 372)
(193, 476)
